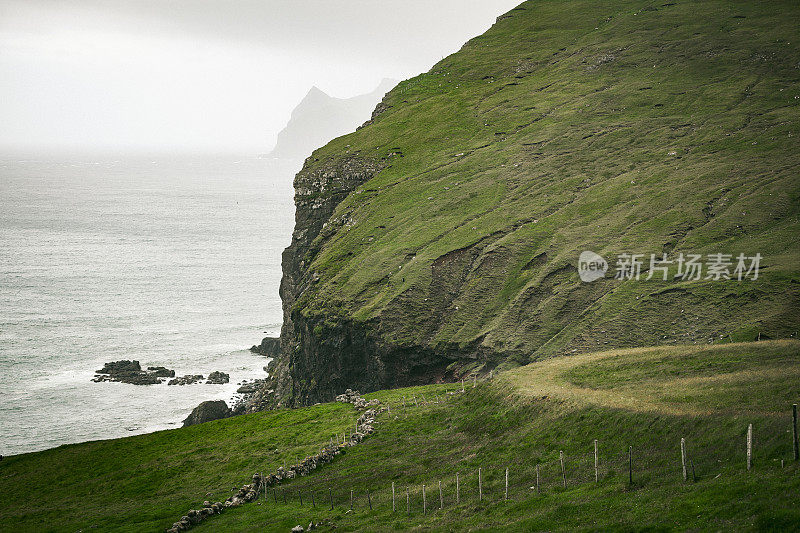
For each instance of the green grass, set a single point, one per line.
(624, 126)
(146, 482)
(615, 126)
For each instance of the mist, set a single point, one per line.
(201, 75)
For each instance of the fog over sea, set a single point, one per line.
(172, 261)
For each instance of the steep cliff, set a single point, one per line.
(443, 236)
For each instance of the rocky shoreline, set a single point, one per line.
(248, 401)
(131, 372)
(253, 395)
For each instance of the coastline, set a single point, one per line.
(165, 262)
(133, 406)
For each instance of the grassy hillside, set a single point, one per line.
(146, 482)
(623, 126)
(521, 419)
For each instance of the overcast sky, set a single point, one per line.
(209, 75)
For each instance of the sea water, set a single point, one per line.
(171, 261)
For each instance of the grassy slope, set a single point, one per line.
(143, 483)
(618, 126)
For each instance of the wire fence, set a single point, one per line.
(769, 447)
(484, 485)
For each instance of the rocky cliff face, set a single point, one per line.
(319, 188)
(323, 354)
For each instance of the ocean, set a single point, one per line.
(171, 261)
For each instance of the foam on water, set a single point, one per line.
(173, 262)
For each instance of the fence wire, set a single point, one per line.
(548, 472)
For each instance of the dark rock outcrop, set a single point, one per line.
(131, 372)
(218, 378)
(269, 347)
(118, 367)
(188, 379)
(326, 354)
(206, 412)
(161, 371)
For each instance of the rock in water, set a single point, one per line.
(188, 379)
(161, 371)
(207, 411)
(116, 367)
(131, 372)
(218, 378)
(270, 347)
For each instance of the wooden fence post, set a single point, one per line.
(275, 494)
(794, 432)
(596, 463)
(474, 380)
(351, 499)
(749, 446)
(505, 497)
(480, 485)
(462, 384)
(683, 458)
(369, 500)
(441, 498)
(630, 464)
(424, 501)
(300, 497)
(393, 504)
(563, 470)
(458, 490)
(314, 505)
(408, 502)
